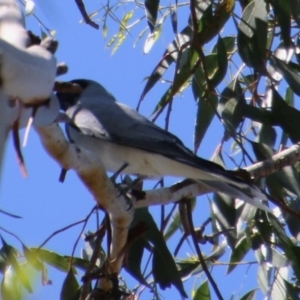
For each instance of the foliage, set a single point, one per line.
(250, 82)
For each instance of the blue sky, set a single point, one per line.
(47, 205)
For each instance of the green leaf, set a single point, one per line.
(182, 76)
(283, 17)
(294, 7)
(238, 253)
(169, 56)
(134, 262)
(221, 64)
(10, 253)
(70, 288)
(231, 107)
(78, 262)
(32, 259)
(252, 34)
(229, 43)
(203, 292)
(10, 286)
(292, 222)
(121, 36)
(152, 38)
(176, 48)
(292, 290)
(53, 259)
(151, 8)
(267, 135)
(165, 271)
(206, 110)
(275, 258)
(225, 213)
(289, 74)
(250, 295)
(262, 277)
(286, 178)
(291, 251)
(280, 111)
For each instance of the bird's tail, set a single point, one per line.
(246, 192)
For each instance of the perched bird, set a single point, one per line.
(119, 135)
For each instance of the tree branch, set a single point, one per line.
(93, 175)
(189, 188)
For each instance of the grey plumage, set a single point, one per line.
(118, 134)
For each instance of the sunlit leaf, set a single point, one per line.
(203, 292)
(53, 259)
(10, 286)
(10, 254)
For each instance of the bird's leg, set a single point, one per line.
(120, 187)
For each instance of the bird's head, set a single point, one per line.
(79, 91)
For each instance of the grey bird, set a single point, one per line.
(119, 135)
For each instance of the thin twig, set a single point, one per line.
(199, 253)
(84, 14)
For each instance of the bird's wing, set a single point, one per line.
(118, 123)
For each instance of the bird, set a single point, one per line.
(124, 140)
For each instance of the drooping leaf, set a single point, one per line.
(291, 290)
(174, 19)
(221, 64)
(133, 264)
(178, 47)
(291, 251)
(231, 107)
(53, 259)
(70, 288)
(169, 56)
(283, 17)
(267, 135)
(294, 8)
(10, 254)
(152, 38)
(32, 259)
(78, 262)
(206, 110)
(225, 213)
(285, 178)
(120, 37)
(10, 286)
(252, 34)
(238, 253)
(292, 222)
(279, 290)
(151, 9)
(183, 74)
(280, 111)
(263, 277)
(292, 78)
(203, 292)
(249, 296)
(165, 271)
